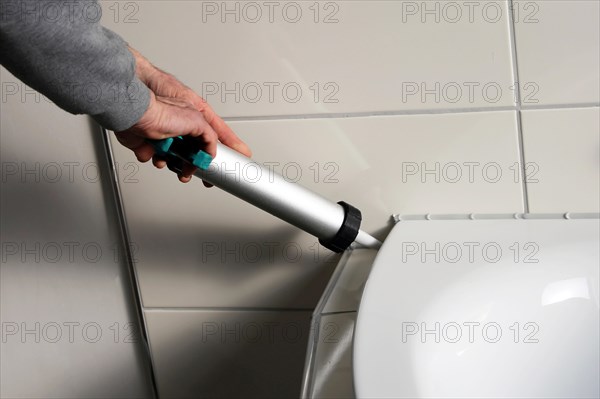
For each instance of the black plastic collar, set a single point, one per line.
(347, 232)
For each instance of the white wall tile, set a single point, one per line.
(204, 247)
(378, 56)
(381, 163)
(558, 51)
(228, 354)
(562, 151)
(67, 310)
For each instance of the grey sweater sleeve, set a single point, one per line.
(60, 49)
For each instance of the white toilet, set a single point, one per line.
(463, 306)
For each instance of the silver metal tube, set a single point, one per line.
(271, 192)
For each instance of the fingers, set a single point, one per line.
(224, 132)
(159, 161)
(185, 179)
(175, 120)
(176, 93)
(187, 173)
(142, 150)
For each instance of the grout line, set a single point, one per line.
(560, 106)
(343, 115)
(128, 254)
(159, 309)
(339, 312)
(512, 35)
(517, 85)
(367, 114)
(521, 148)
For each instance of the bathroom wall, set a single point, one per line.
(67, 313)
(394, 106)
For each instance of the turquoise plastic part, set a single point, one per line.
(162, 146)
(200, 159)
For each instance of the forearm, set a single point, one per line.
(74, 61)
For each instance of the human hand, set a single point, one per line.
(166, 85)
(167, 117)
(168, 94)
